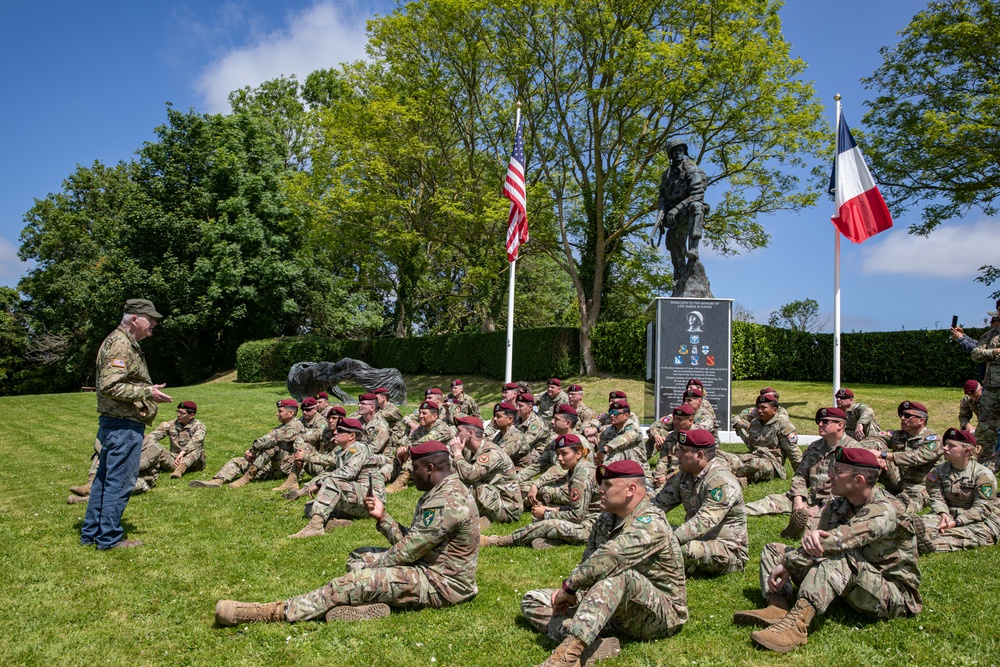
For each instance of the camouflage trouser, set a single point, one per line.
(979, 534)
(340, 499)
(270, 464)
(848, 576)
(912, 494)
(989, 422)
(755, 466)
(548, 495)
(553, 529)
(776, 503)
(401, 586)
(495, 507)
(309, 468)
(627, 604)
(393, 469)
(714, 556)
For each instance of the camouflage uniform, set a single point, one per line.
(630, 581)
(587, 417)
(342, 491)
(124, 390)
(714, 536)
(536, 436)
(741, 422)
(438, 431)
(859, 413)
(463, 407)
(431, 564)
(312, 429)
(624, 444)
(969, 497)
(394, 418)
(913, 457)
(570, 523)
(811, 481)
(513, 443)
(378, 435)
(491, 478)
(546, 473)
(769, 445)
(869, 559)
(321, 458)
(152, 459)
(967, 409)
(986, 351)
(667, 463)
(272, 454)
(186, 440)
(546, 404)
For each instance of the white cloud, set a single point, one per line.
(955, 250)
(322, 36)
(11, 266)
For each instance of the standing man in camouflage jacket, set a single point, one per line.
(126, 401)
(431, 564)
(864, 552)
(630, 580)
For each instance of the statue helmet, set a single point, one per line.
(674, 143)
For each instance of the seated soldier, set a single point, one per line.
(963, 499)
(377, 433)
(152, 459)
(586, 416)
(268, 456)
(861, 421)
(508, 394)
(908, 455)
(429, 427)
(564, 524)
(315, 461)
(187, 440)
(706, 405)
(811, 483)
(389, 411)
(323, 403)
(714, 536)
(771, 439)
(341, 493)
(664, 441)
(632, 572)
(553, 396)
(431, 564)
(506, 436)
(621, 440)
(969, 406)
(863, 552)
(604, 420)
(704, 414)
(487, 471)
(459, 404)
(534, 428)
(412, 420)
(741, 422)
(313, 423)
(548, 491)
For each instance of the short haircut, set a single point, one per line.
(440, 460)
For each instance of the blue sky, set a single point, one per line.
(89, 82)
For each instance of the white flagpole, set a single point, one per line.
(510, 293)
(836, 280)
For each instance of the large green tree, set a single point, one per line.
(934, 139)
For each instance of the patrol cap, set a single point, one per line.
(426, 448)
(367, 397)
(696, 437)
(350, 425)
(961, 436)
(510, 386)
(623, 468)
(504, 406)
(309, 403)
(323, 394)
(831, 413)
(683, 410)
(141, 307)
(970, 387)
(620, 404)
(456, 383)
(525, 398)
(433, 390)
(469, 420)
(844, 393)
(695, 381)
(190, 406)
(767, 398)
(693, 392)
(429, 405)
(566, 409)
(617, 394)
(568, 440)
(574, 387)
(338, 410)
(380, 390)
(918, 409)
(554, 381)
(288, 403)
(856, 456)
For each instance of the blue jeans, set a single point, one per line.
(117, 470)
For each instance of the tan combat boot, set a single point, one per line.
(291, 484)
(76, 500)
(545, 543)
(790, 632)
(484, 523)
(400, 483)
(364, 612)
(245, 479)
(777, 607)
(179, 470)
(206, 483)
(231, 612)
(496, 540)
(567, 654)
(313, 529)
(797, 524)
(337, 523)
(83, 490)
(925, 543)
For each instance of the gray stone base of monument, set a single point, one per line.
(693, 282)
(308, 378)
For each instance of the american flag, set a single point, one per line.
(513, 189)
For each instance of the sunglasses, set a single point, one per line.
(907, 415)
(824, 422)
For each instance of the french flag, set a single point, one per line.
(861, 211)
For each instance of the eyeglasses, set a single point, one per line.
(182, 411)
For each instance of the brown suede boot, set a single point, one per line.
(925, 543)
(313, 529)
(496, 540)
(245, 479)
(797, 524)
(604, 647)
(777, 607)
(566, 654)
(337, 523)
(484, 523)
(231, 612)
(400, 483)
(790, 632)
(76, 500)
(364, 612)
(292, 483)
(179, 470)
(545, 543)
(206, 483)
(83, 490)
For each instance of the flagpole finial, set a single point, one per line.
(836, 97)
(518, 105)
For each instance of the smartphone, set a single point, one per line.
(954, 321)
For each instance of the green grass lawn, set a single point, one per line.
(62, 604)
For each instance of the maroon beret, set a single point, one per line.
(504, 407)
(768, 390)
(190, 406)
(623, 468)
(617, 394)
(380, 390)
(288, 403)
(696, 437)
(338, 410)
(323, 394)
(350, 425)
(695, 381)
(469, 420)
(856, 456)
(912, 406)
(456, 383)
(620, 404)
(961, 436)
(509, 386)
(767, 398)
(308, 403)
(831, 413)
(367, 397)
(693, 392)
(430, 405)
(970, 387)
(433, 390)
(844, 393)
(683, 410)
(556, 381)
(566, 409)
(568, 440)
(426, 448)
(574, 387)
(525, 398)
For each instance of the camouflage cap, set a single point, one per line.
(961, 436)
(970, 387)
(683, 410)
(426, 448)
(190, 406)
(568, 440)
(566, 409)
(856, 456)
(141, 307)
(844, 393)
(350, 425)
(618, 469)
(696, 437)
(918, 409)
(991, 313)
(469, 420)
(831, 413)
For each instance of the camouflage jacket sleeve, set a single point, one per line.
(865, 415)
(623, 440)
(160, 432)
(542, 463)
(800, 480)
(669, 496)
(872, 522)
(927, 452)
(788, 441)
(581, 487)
(552, 475)
(984, 499)
(482, 467)
(434, 520)
(197, 440)
(965, 413)
(121, 369)
(378, 437)
(351, 462)
(719, 497)
(933, 484)
(985, 350)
